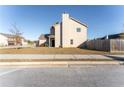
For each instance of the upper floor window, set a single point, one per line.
(52, 30)
(78, 29)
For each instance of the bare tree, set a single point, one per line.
(17, 34)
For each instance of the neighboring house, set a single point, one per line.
(43, 40)
(9, 40)
(3, 40)
(24, 42)
(116, 36)
(68, 33)
(113, 36)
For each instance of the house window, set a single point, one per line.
(71, 41)
(78, 29)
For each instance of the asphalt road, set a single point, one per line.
(85, 76)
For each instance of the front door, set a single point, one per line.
(52, 43)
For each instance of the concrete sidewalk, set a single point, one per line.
(57, 63)
(59, 56)
(54, 56)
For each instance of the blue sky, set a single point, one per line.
(36, 20)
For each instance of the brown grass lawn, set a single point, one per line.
(45, 50)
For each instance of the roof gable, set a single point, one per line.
(78, 22)
(43, 36)
(10, 35)
(7, 35)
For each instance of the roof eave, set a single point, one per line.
(78, 22)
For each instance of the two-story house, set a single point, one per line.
(68, 33)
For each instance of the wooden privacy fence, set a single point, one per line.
(112, 45)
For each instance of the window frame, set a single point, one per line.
(78, 29)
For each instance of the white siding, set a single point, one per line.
(69, 32)
(65, 30)
(57, 35)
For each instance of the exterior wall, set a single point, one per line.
(57, 35)
(69, 32)
(3, 40)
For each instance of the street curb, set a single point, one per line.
(42, 60)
